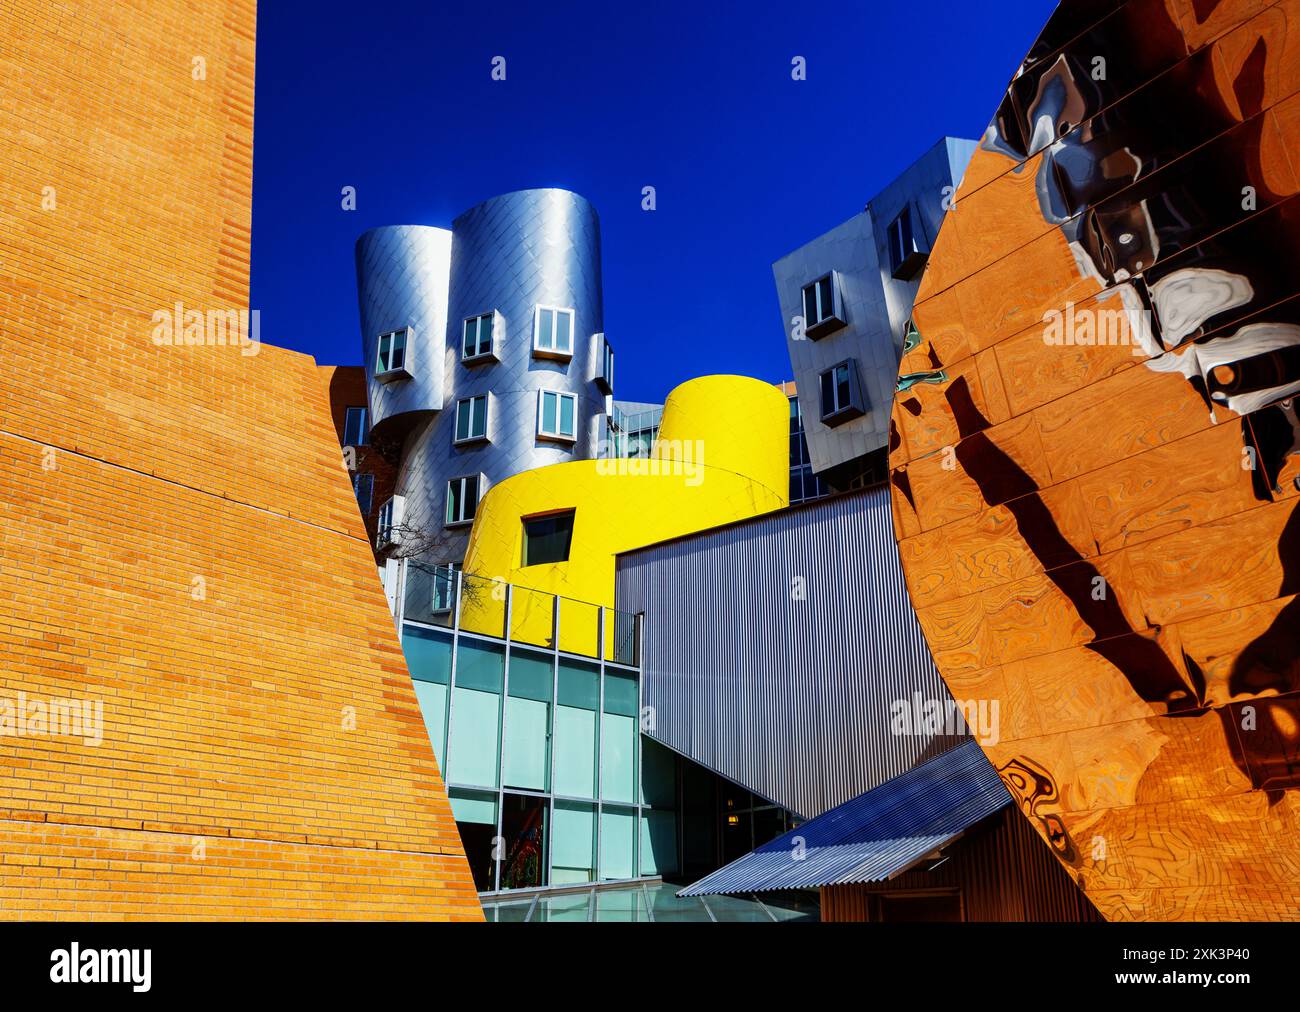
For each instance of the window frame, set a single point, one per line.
(456, 438)
(385, 371)
(556, 436)
(395, 507)
(604, 365)
(831, 317)
(479, 490)
(452, 570)
(479, 354)
(905, 258)
(368, 479)
(552, 352)
(364, 435)
(571, 512)
(853, 407)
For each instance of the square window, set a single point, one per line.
(840, 395)
(556, 415)
(553, 332)
(478, 336)
(471, 419)
(354, 427)
(390, 363)
(547, 538)
(462, 499)
(822, 312)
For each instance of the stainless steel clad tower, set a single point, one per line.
(485, 354)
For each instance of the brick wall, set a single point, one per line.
(179, 541)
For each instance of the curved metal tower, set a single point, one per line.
(505, 306)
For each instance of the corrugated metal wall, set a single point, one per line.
(787, 693)
(1003, 871)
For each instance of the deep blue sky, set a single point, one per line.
(395, 98)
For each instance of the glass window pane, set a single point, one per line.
(544, 318)
(618, 758)
(575, 729)
(468, 343)
(472, 755)
(620, 905)
(523, 829)
(470, 496)
(399, 350)
(454, 501)
(828, 393)
(478, 425)
(563, 335)
(428, 655)
(619, 734)
(825, 303)
(548, 412)
(658, 775)
(433, 707)
(574, 843)
(462, 419)
(547, 539)
(810, 305)
(526, 749)
(382, 361)
(566, 416)
(476, 818)
(617, 843)
(659, 843)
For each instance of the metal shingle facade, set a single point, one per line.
(875, 836)
(510, 255)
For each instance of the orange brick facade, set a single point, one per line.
(179, 541)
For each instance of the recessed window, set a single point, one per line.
(471, 419)
(556, 415)
(821, 306)
(354, 427)
(553, 332)
(364, 487)
(391, 360)
(390, 522)
(841, 397)
(605, 373)
(547, 538)
(462, 499)
(905, 255)
(477, 340)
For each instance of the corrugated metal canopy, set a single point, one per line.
(877, 834)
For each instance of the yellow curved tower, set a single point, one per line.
(722, 455)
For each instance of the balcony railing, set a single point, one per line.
(444, 596)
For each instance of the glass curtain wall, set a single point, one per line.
(540, 747)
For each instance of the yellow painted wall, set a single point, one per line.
(722, 455)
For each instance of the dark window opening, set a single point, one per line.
(547, 539)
